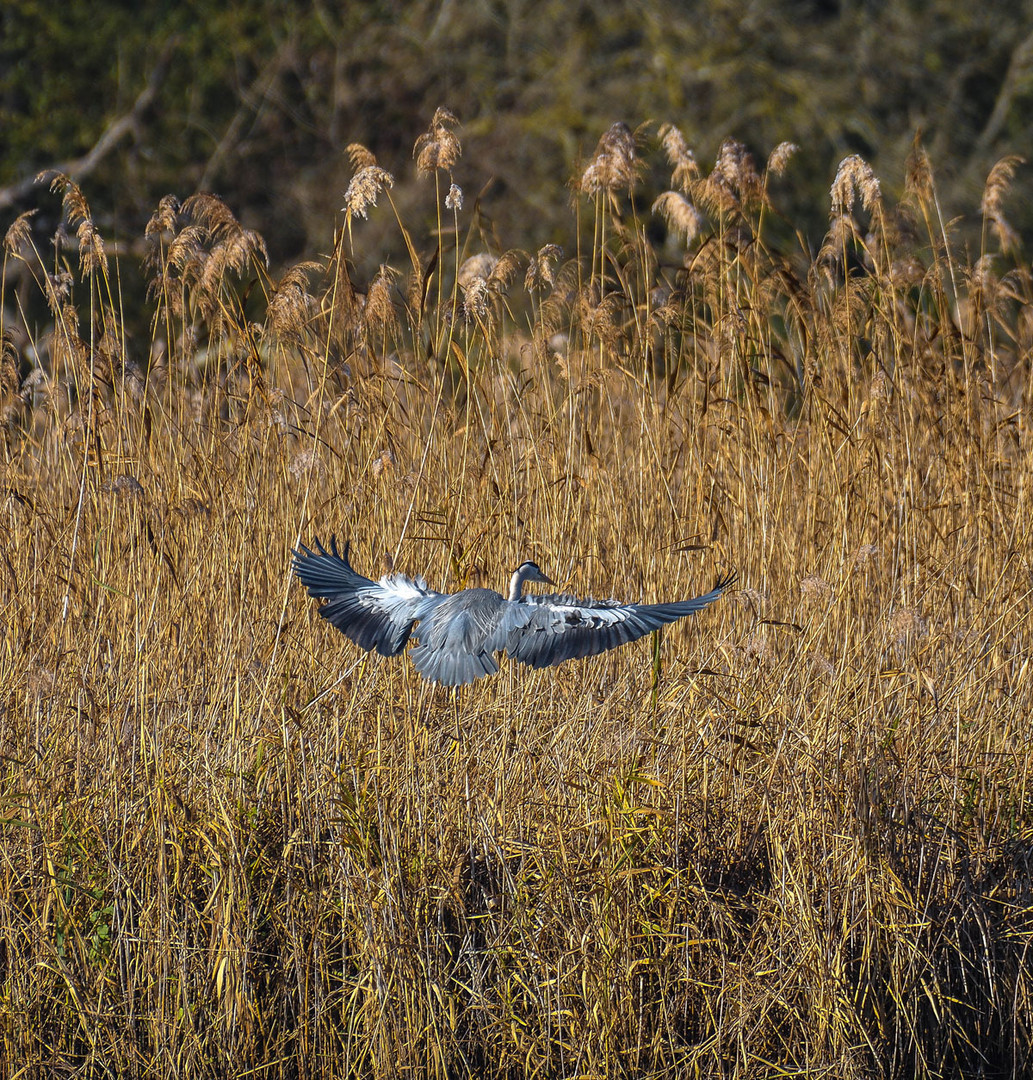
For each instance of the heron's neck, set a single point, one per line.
(516, 583)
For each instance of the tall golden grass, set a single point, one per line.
(790, 838)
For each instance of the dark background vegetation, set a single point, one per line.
(257, 100)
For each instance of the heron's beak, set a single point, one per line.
(546, 579)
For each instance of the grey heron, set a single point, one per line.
(460, 633)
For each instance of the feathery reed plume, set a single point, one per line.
(18, 237)
(733, 182)
(439, 146)
(476, 295)
(187, 253)
(383, 462)
(735, 167)
(996, 188)
(815, 589)
(72, 199)
(10, 383)
(125, 487)
(779, 158)
(360, 157)
(985, 293)
(454, 198)
(58, 288)
(165, 218)
(540, 273)
(918, 172)
(504, 270)
(211, 213)
(292, 306)
(614, 166)
(341, 303)
(306, 461)
(161, 229)
(476, 266)
(681, 159)
(231, 248)
(233, 255)
(679, 214)
(864, 555)
(92, 256)
(599, 319)
(905, 625)
(366, 185)
(414, 288)
(855, 177)
(842, 232)
(482, 278)
(379, 312)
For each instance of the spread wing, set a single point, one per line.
(460, 634)
(564, 627)
(374, 614)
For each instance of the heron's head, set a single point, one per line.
(531, 571)
(526, 571)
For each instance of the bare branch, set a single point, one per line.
(115, 132)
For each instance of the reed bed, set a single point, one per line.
(792, 837)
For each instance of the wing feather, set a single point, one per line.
(562, 627)
(374, 614)
(460, 634)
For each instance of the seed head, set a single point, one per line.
(19, 235)
(124, 487)
(615, 164)
(74, 202)
(306, 461)
(905, 624)
(679, 156)
(477, 266)
(360, 157)
(855, 177)
(380, 308)
(778, 161)
(58, 290)
(540, 272)
(681, 216)
(816, 589)
(504, 270)
(475, 299)
(165, 217)
(880, 388)
(865, 554)
(384, 463)
(211, 213)
(439, 146)
(918, 172)
(292, 305)
(454, 198)
(366, 185)
(997, 185)
(92, 255)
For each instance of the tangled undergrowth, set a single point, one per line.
(792, 837)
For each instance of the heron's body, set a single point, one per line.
(456, 635)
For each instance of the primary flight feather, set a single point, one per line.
(456, 635)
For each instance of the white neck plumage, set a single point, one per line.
(516, 582)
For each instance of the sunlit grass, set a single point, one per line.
(791, 836)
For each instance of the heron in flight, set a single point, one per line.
(460, 633)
